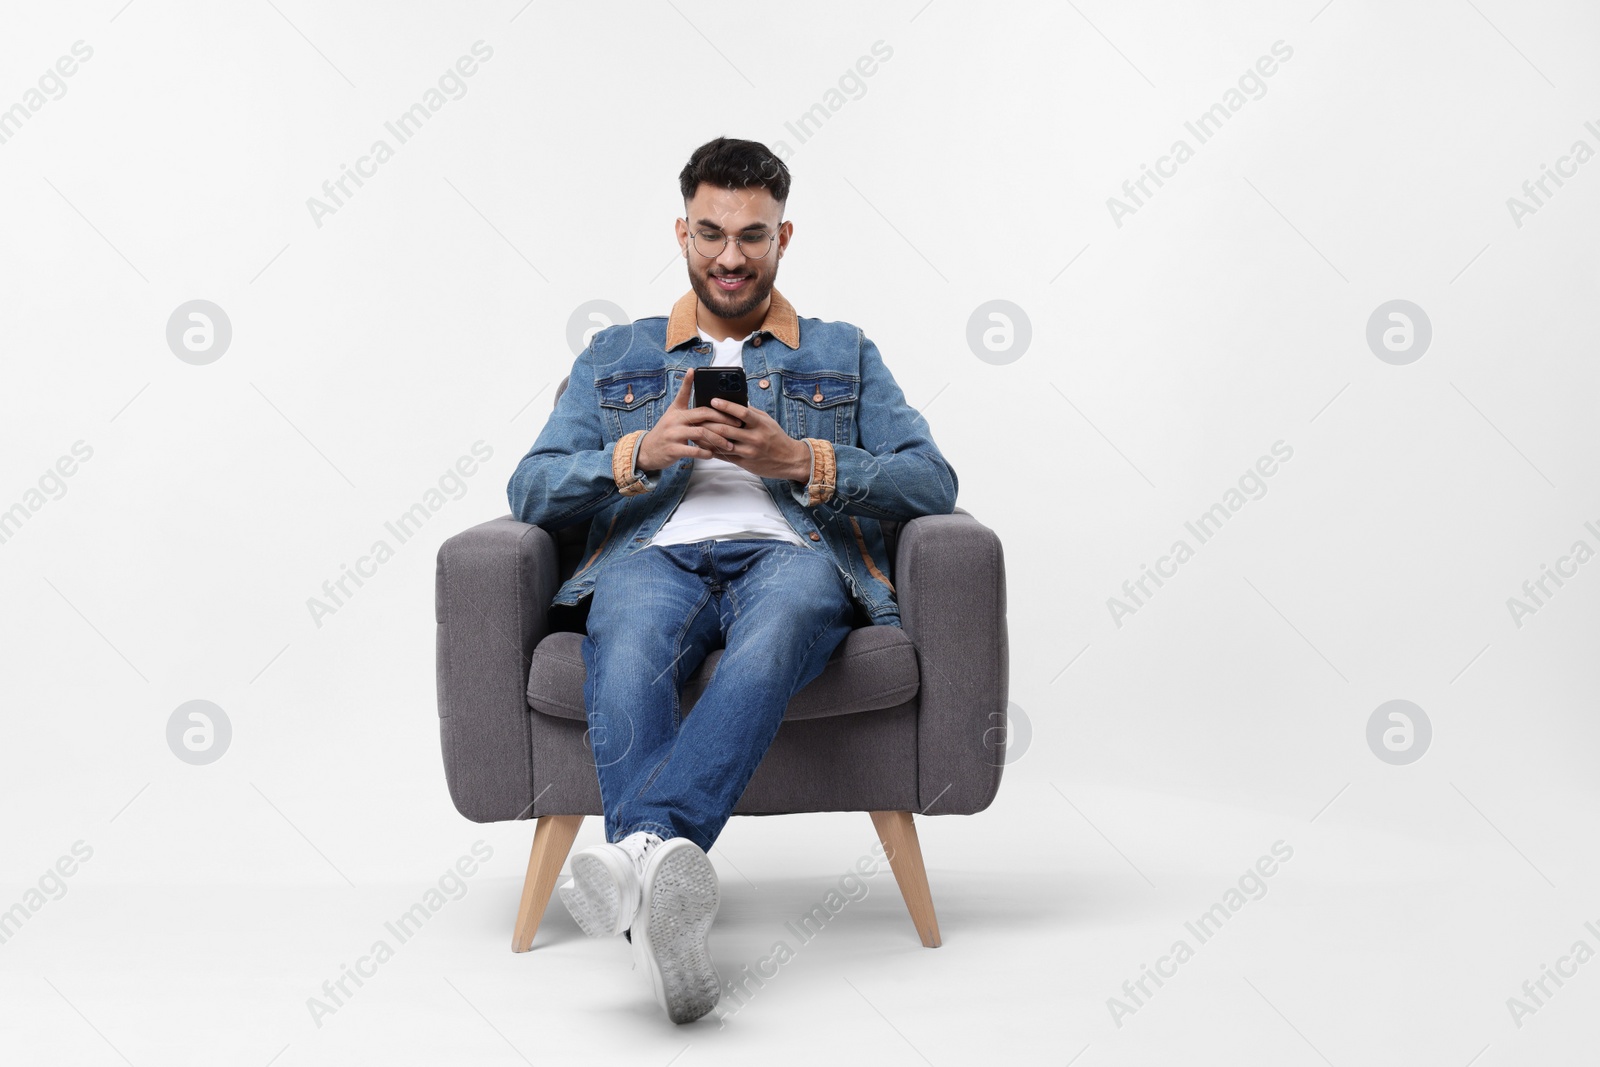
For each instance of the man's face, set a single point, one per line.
(733, 212)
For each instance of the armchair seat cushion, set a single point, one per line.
(874, 667)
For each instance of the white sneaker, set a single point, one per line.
(679, 900)
(604, 891)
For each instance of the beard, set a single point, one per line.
(734, 305)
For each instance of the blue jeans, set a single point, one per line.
(779, 611)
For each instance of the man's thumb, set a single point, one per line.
(682, 399)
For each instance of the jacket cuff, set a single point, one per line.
(624, 470)
(824, 469)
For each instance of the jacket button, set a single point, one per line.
(765, 383)
(756, 340)
(815, 536)
(817, 397)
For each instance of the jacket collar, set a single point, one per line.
(781, 321)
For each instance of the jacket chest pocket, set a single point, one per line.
(820, 405)
(631, 401)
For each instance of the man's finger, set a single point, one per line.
(711, 440)
(682, 399)
(713, 432)
(738, 411)
(707, 417)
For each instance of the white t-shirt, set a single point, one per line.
(723, 500)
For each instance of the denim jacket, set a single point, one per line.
(872, 454)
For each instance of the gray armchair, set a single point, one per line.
(901, 720)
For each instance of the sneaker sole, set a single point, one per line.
(683, 898)
(593, 897)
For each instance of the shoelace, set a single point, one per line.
(638, 850)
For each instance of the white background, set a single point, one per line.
(1167, 354)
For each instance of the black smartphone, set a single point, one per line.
(726, 382)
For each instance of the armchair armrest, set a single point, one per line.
(492, 591)
(951, 588)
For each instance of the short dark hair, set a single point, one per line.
(729, 163)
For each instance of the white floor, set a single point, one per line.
(1367, 946)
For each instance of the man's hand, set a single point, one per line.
(761, 446)
(668, 440)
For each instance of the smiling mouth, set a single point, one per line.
(730, 283)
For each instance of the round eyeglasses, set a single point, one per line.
(753, 244)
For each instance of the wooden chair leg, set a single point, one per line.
(899, 836)
(552, 840)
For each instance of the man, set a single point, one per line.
(753, 526)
